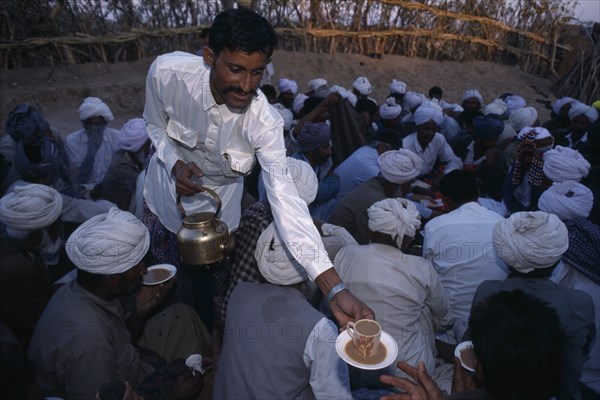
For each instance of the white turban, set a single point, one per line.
(496, 107)
(397, 87)
(530, 240)
(286, 114)
(523, 117)
(299, 102)
(30, 207)
(473, 93)
(514, 102)
(400, 166)
(448, 106)
(315, 84)
(568, 200)
(301, 174)
(346, 94)
(94, 107)
(389, 109)
(110, 243)
(133, 135)
(582, 109)
(362, 85)
(396, 216)
(275, 261)
(428, 111)
(412, 100)
(565, 164)
(286, 85)
(558, 104)
(335, 238)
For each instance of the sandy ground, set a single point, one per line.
(59, 91)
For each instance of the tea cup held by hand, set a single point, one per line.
(366, 335)
(194, 362)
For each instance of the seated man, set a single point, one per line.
(39, 162)
(83, 339)
(398, 169)
(531, 244)
(404, 291)
(89, 150)
(119, 183)
(287, 91)
(31, 217)
(24, 122)
(276, 345)
(459, 245)
(362, 164)
(254, 221)
(582, 117)
(516, 338)
(314, 142)
(525, 180)
(472, 104)
(427, 143)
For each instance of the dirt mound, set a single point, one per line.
(59, 91)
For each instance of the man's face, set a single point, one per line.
(426, 132)
(287, 98)
(580, 124)
(94, 128)
(471, 104)
(322, 153)
(235, 75)
(131, 281)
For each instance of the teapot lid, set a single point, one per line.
(201, 218)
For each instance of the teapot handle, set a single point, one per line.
(211, 192)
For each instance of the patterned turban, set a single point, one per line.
(312, 135)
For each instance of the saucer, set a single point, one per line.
(458, 351)
(167, 267)
(386, 340)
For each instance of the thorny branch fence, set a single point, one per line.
(523, 32)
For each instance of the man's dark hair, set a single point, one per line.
(459, 186)
(436, 90)
(367, 105)
(311, 103)
(519, 343)
(268, 90)
(243, 30)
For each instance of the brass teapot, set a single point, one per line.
(203, 239)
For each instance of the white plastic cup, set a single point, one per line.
(194, 362)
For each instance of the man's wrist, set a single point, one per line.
(334, 291)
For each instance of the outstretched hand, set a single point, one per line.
(346, 307)
(183, 173)
(423, 388)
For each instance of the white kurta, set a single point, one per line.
(437, 149)
(76, 148)
(185, 123)
(459, 245)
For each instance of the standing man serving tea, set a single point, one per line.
(208, 121)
